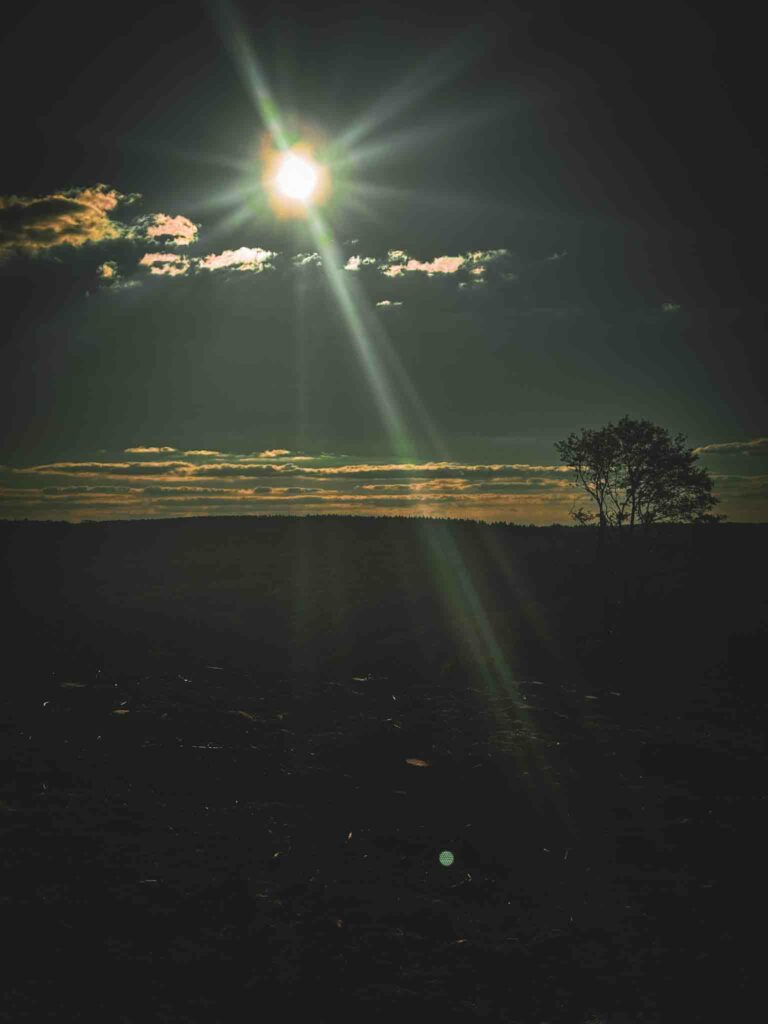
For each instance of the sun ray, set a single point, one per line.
(388, 380)
(354, 316)
(236, 40)
(372, 191)
(415, 137)
(161, 148)
(422, 80)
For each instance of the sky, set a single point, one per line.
(538, 217)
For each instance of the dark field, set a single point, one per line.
(208, 811)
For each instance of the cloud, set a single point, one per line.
(171, 264)
(557, 256)
(107, 469)
(478, 262)
(670, 307)
(268, 453)
(453, 499)
(239, 259)
(254, 466)
(355, 262)
(398, 263)
(74, 217)
(167, 264)
(306, 259)
(388, 302)
(209, 483)
(177, 230)
(109, 277)
(482, 257)
(149, 449)
(758, 446)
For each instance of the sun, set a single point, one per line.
(294, 180)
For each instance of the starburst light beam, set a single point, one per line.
(295, 182)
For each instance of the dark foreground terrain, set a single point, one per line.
(233, 751)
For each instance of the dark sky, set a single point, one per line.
(603, 163)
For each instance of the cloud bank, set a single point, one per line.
(160, 481)
(206, 481)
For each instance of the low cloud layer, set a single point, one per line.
(161, 481)
(206, 481)
(148, 449)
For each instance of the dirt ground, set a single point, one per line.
(189, 836)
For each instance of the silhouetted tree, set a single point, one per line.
(637, 475)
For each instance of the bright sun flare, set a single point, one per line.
(293, 180)
(296, 178)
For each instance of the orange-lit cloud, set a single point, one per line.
(149, 449)
(172, 230)
(243, 258)
(398, 262)
(99, 502)
(174, 488)
(166, 264)
(247, 467)
(30, 224)
(439, 265)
